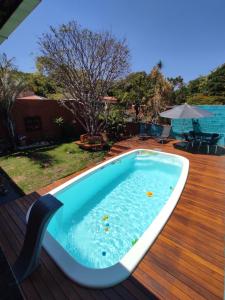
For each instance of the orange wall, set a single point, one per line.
(48, 111)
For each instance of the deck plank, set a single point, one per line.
(185, 262)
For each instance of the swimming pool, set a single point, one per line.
(112, 214)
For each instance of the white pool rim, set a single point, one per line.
(110, 276)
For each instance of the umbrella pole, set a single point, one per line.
(183, 127)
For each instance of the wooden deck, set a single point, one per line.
(185, 262)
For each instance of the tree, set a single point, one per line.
(132, 91)
(198, 85)
(208, 89)
(85, 64)
(43, 85)
(160, 93)
(42, 63)
(10, 87)
(177, 82)
(116, 122)
(216, 82)
(148, 93)
(179, 90)
(42, 82)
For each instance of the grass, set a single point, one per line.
(33, 169)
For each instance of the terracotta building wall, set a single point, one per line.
(47, 111)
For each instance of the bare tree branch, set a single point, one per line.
(85, 64)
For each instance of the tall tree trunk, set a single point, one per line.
(11, 132)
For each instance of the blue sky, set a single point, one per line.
(187, 35)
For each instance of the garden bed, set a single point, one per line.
(90, 147)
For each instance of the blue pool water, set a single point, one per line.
(107, 211)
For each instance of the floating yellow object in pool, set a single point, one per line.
(105, 217)
(149, 194)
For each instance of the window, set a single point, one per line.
(32, 123)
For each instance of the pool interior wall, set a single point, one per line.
(107, 211)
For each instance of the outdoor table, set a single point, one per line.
(207, 139)
(197, 139)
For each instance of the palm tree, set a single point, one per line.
(10, 87)
(161, 90)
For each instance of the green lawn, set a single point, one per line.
(33, 169)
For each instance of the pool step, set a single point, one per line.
(143, 158)
(116, 150)
(109, 155)
(123, 148)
